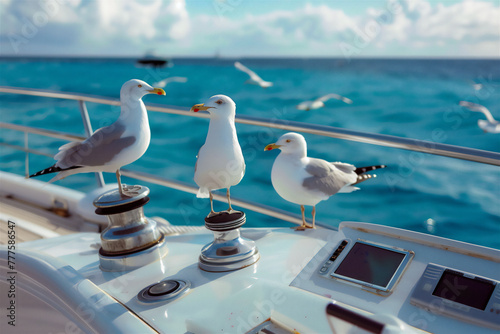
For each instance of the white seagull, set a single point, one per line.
(307, 181)
(490, 124)
(113, 146)
(220, 161)
(254, 78)
(320, 102)
(168, 80)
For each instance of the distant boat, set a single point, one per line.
(151, 60)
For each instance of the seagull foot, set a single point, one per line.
(130, 191)
(303, 227)
(211, 214)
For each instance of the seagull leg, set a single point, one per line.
(228, 195)
(212, 212)
(304, 225)
(118, 177)
(314, 217)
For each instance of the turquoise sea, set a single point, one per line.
(408, 98)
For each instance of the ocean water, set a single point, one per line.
(408, 98)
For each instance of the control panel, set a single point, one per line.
(458, 294)
(372, 266)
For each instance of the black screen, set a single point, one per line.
(468, 291)
(370, 264)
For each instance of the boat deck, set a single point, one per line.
(31, 222)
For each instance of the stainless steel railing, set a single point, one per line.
(463, 153)
(457, 152)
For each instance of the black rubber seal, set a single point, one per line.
(122, 208)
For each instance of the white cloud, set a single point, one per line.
(129, 27)
(90, 27)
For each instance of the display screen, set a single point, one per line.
(370, 264)
(473, 292)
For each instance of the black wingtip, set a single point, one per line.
(51, 169)
(361, 170)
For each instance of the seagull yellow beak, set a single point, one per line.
(271, 147)
(158, 91)
(198, 107)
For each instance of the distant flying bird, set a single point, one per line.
(168, 80)
(254, 78)
(475, 85)
(320, 102)
(490, 124)
(220, 161)
(113, 146)
(307, 181)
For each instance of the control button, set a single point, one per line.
(323, 270)
(328, 263)
(163, 288)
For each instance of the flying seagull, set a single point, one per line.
(220, 161)
(307, 181)
(320, 102)
(490, 124)
(254, 78)
(113, 146)
(168, 80)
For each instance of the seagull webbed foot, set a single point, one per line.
(129, 191)
(212, 213)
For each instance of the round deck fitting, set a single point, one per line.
(130, 240)
(164, 291)
(229, 251)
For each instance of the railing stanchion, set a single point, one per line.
(26, 157)
(88, 133)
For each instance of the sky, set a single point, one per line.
(251, 28)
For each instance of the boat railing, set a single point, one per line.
(458, 152)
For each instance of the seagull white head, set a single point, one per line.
(217, 105)
(290, 143)
(135, 89)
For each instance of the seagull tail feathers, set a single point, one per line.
(348, 189)
(203, 193)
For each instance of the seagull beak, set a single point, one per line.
(271, 147)
(198, 107)
(158, 91)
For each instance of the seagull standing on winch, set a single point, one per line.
(111, 147)
(220, 162)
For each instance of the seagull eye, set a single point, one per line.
(139, 86)
(219, 102)
(288, 140)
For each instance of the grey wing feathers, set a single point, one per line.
(328, 178)
(96, 150)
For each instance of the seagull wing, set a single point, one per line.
(97, 150)
(248, 71)
(328, 178)
(477, 107)
(166, 81)
(334, 96)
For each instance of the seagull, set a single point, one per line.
(168, 80)
(254, 78)
(220, 161)
(490, 124)
(307, 181)
(475, 85)
(113, 146)
(320, 102)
